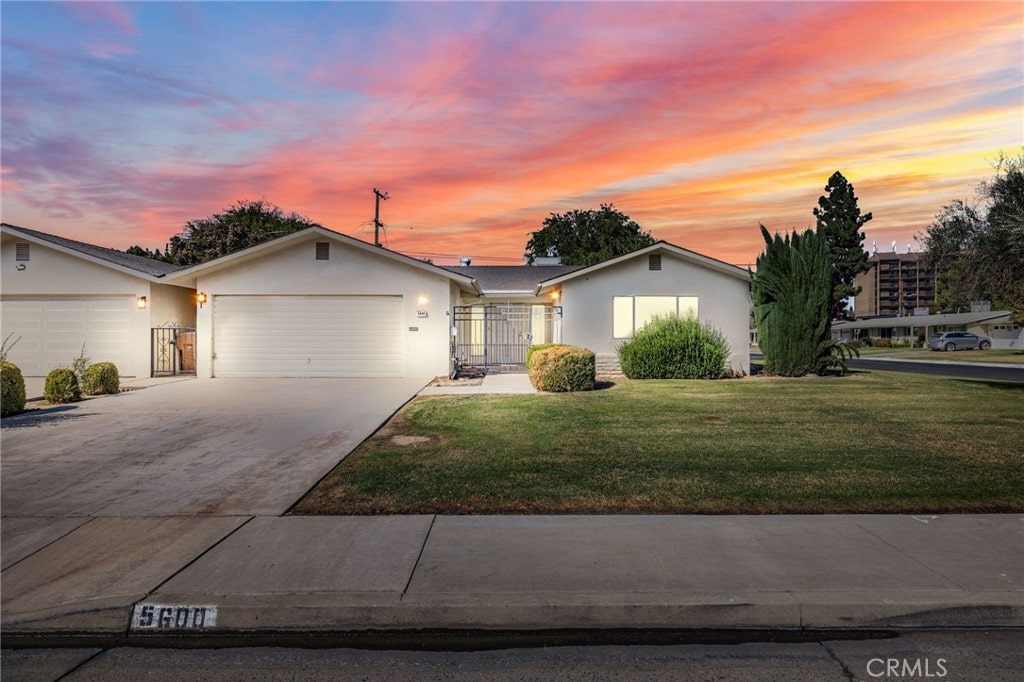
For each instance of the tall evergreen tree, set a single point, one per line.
(790, 292)
(840, 222)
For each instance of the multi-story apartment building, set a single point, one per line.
(895, 285)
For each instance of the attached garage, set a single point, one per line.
(308, 336)
(50, 330)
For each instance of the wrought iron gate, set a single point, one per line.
(173, 351)
(498, 335)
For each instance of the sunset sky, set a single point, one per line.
(122, 121)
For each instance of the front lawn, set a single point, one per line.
(869, 442)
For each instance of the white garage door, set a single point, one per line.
(53, 329)
(308, 336)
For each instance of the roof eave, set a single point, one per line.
(12, 230)
(686, 254)
(230, 259)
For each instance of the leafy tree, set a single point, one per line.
(245, 224)
(587, 237)
(951, 237)
(791, 296)
(155, 254)
(978, 253)
(840, 222)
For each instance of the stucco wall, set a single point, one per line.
(293, 270)
(51, 273)
(172, 306)
(724, 301)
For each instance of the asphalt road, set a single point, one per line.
(992, 656)
(951, 369)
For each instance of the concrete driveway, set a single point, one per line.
(218, 447)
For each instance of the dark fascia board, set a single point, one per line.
(190, 273)
(662, 246)
(15, 231)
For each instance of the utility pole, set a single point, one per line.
(376, 214)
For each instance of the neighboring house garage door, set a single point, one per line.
(308, 336)
(53, 329)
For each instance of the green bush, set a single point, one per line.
(674, 348)
(101, 378)
(12, 390)
(559, 368)
(61, 386)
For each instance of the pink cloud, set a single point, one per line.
(107, 12)
(698, 127)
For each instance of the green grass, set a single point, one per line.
(869, 442)
(1004, 355)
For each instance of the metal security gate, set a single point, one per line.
(173, 351)
(498, 335)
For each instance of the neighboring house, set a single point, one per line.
(994, 324)
(604, 304)
(317, 303)
(58, 294)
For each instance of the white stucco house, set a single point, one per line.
(318, 303)
(57, 294)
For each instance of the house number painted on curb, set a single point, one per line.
(173, 617)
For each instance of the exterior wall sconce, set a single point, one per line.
(201, 298)
(422, 300)
(555, 295)
(140, 303)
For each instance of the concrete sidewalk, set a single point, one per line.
(264, 576)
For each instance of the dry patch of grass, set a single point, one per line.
(870, 442)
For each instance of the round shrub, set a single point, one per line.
(12, 390)
(674, 348)
(559, 368)
(61, 386)
(101, 378)
(540, 346)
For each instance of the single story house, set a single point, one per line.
(318, 303)
(994, 324)
(57, 294)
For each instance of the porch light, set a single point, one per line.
(422, 300)
(201, 298)
(555, 295)
(140, 303)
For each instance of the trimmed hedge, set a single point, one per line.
(61, 386)
(674, 348)
(101, 378)
(540, 346)
(558, 368)
(12, 390)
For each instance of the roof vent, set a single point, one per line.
(465, 260)
(654, 261)
(323, 251)
(21, 251)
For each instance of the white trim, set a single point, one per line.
(60, 248)
(208, 267)
(663, 246)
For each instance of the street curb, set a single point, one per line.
(267, 617)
